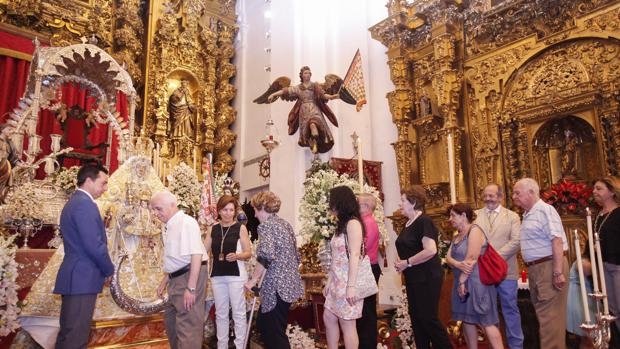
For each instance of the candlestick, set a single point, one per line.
(360, 164)
(31, 127)
(55, 142)
(599, 260)
(49, 166)
(582, 283)
(34, 144)
(591, 247)
(451, 169)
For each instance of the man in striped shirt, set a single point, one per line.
(543, 247)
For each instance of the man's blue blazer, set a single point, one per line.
(87, 262)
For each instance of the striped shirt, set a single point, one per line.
(541, 224)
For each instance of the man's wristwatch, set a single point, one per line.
(409, 265)
(191, 290)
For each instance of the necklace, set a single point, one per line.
(597, 226)
(409, 222)
(221, 256)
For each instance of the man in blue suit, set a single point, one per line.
(86, 266)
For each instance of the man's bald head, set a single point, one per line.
(367, 203)
(164, 204)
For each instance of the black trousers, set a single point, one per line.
(272, 325)
(76, 314)
(423, 298)
(367, 324)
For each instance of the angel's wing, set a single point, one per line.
(334, 85)
(275, 86)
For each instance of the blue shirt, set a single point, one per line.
(541, 224)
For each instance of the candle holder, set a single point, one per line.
(599, 332)
(55, 142)
(26, 227)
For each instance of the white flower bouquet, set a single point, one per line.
(184, 184)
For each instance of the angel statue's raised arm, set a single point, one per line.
(309, 112)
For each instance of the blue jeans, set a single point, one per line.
(507, 291)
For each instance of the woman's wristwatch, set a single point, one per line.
(409, 265)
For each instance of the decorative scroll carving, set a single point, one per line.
(515, 20)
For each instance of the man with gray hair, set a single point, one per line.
(502, 228)
(185, 265)
(543, 247)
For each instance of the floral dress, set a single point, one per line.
(336, 288)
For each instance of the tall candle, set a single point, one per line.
(599, 260)
(591, 246)
(360, 164)
(451, 169)
(582, 283)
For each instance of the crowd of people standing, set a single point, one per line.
(189, 261)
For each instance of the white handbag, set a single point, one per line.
(365, 284)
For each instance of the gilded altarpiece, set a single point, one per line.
(160, 43)
(526, 88)
(192, 41)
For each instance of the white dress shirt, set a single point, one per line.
(181, 240)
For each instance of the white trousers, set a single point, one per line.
(228, 293)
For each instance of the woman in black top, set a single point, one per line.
(606, 193)
(418, 261)
(229, 245)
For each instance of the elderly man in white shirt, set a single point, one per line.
(502, 227)
(543, 247)
(185, 265)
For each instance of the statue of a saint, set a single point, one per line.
(569, 154)
(308, 114)
(425, 106)
(181, 109)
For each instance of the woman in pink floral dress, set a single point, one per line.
(342, 307)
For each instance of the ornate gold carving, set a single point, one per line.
(493, 75)
(194, 41)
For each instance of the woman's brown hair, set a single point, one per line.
(224, 201)
(613, 185)
(462, 208)
(416, 195)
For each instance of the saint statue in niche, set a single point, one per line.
(569, 154)
(425, 106)
(181, 109)
(309, 112)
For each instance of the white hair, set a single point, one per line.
(531, 185)
(164, 197)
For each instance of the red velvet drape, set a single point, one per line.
(73, 95)
(13, 76)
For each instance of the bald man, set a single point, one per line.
(543, 247)
(185, 265)
(367, 324)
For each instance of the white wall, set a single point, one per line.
(323, 35)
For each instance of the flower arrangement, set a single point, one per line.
(569, 197)
(66, 178)
(184, 184)
(8, 287)
(402, 323)
(316, 220)
(299, 339)
(21, 203)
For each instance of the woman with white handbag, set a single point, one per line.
(349, 275)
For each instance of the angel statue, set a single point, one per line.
(308, 113)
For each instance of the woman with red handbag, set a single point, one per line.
(473, 302)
